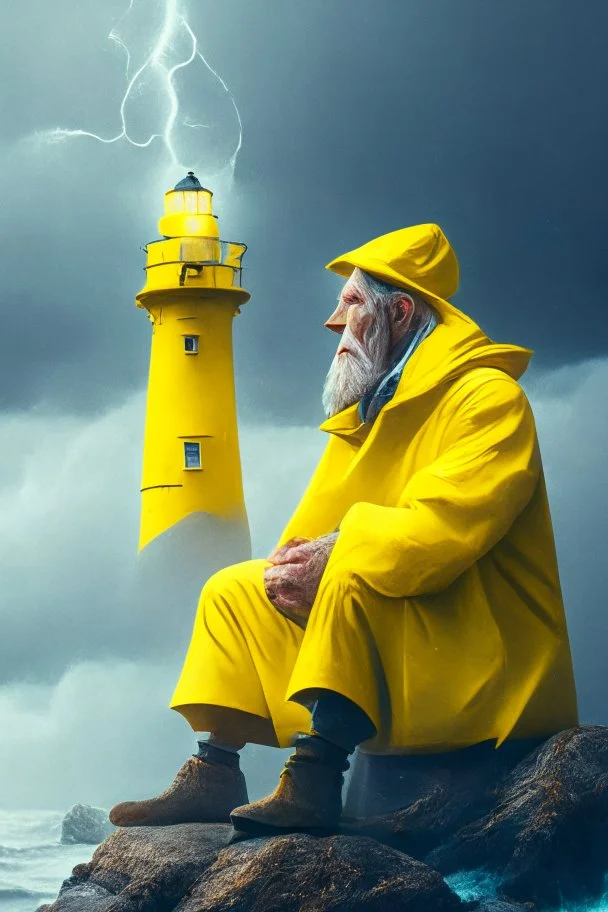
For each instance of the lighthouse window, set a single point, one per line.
(191, 345)
(192, 455)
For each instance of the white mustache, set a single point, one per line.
(352, 345)
(353, 372)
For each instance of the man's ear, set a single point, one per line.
(403, 307)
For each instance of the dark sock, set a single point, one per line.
(338, 720)
(210, 753)
(338, 726)
(313, 748)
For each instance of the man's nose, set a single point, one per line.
(337, 321)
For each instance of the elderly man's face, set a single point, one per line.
(364, 347)
(353, 311)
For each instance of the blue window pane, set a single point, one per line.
(192, 455)
(191, 344)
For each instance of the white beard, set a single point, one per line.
(352, 374)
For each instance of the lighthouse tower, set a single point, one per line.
(193, 518)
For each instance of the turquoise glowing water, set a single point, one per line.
(481, 885)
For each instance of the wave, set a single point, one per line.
(33, 863)
(20, 893)
(20, 851)
(25, 829)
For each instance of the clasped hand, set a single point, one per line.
(292, 580)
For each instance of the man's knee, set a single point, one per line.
(341, 581)
(231, 580)
(342, 597)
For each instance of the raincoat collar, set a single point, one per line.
(450, 350)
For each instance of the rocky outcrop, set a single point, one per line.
(440, 793)
(143, 868)
(546, 836)
(193, 868)
(299, 873)
(461, 783)
(538, 828)
(86, 824)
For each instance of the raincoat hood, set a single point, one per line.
(421, 259)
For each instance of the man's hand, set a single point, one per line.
(292, 581)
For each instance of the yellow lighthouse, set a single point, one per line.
(191, 463)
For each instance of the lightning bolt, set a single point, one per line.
(173, 23)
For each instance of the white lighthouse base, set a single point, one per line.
(171, 571)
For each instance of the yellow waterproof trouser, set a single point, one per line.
(433, 673)
(245, 656)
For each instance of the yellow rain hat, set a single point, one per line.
(419, 258)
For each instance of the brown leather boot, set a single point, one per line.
(200, 793)
(308, 798)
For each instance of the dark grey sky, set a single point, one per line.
(359, 118)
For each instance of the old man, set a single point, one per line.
(413, 603)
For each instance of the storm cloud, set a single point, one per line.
(358, 119)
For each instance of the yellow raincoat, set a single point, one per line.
(440, 611)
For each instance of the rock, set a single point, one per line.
(85, 824)
(439, 793)
(546, 836)
(189, 868)
(299, 873)
(142, 868)
(87, 897)
(456, 783)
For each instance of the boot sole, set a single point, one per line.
(165, 823)
(246, 828)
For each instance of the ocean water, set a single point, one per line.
(472, 885)
(33, 863)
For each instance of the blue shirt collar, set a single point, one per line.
(384, 390)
